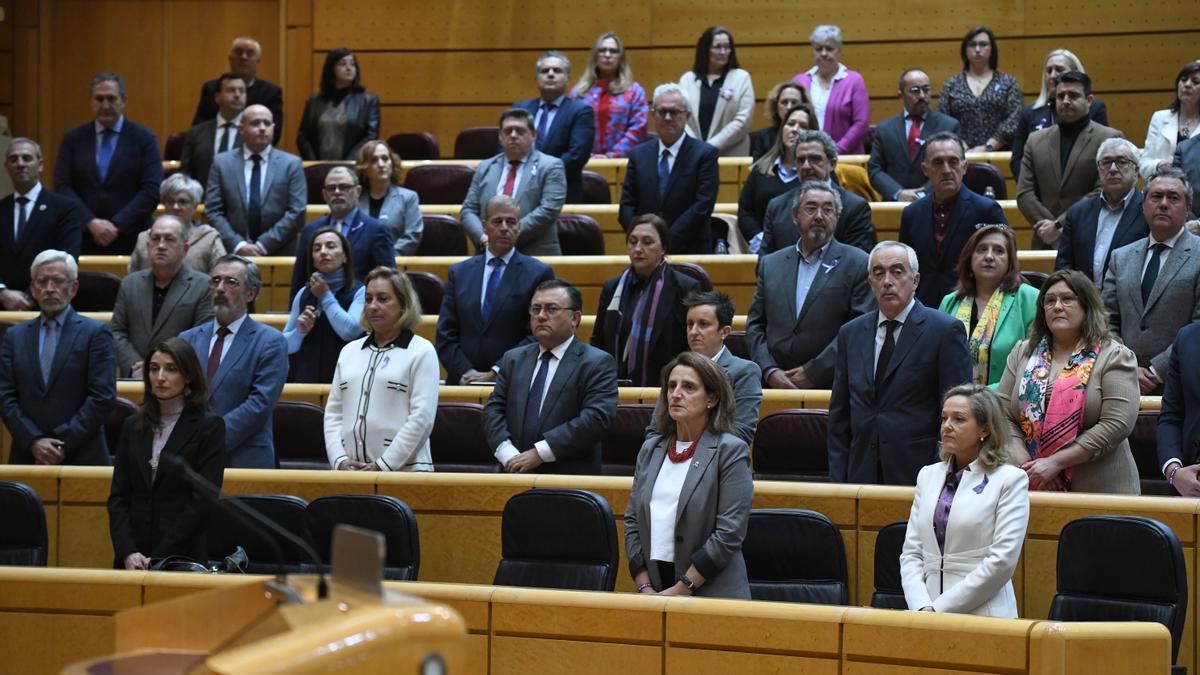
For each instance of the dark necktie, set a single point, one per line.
(664, 175)
(226, 136)
(543, 123)
(489, 294)
(914, 132)
(49, 343)
(1151, 274)
(533, 405)
(214, 357)
(254, 207)
(885, 353)
(513, 167)
(21, 202)
(108, 143)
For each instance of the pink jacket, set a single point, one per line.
(848, 113)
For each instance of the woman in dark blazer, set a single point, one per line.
(640, 319)
(690, 504)
(154, 512)
(342, 116)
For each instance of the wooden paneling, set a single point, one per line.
(6, 25)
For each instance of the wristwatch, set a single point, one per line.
(687, 582)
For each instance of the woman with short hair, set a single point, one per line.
(180, 195)
(839, 95)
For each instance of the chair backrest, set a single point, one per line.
(97, 291)
(579, 234)
(430, 290)
(23, 539)
(624, 437)
(1121, 568)
(440, 183)
(694, 271)
(443, 235)
(795, 555)
(792, 445)
(415, 145)
(1143, 444)
(227, 531)
(173, 148)
(982, 175)
(386, 515)
(299, 431)
(552, 538)
(889, 592)
(115, 420)
(457, 442)
(1035, 279)
(737, 345)
(477, 143)
(595, 189)
(314, 177)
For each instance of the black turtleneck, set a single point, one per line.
(1069, 132)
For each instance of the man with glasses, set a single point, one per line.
(245, 55)
(246, 364)
(898, 148)
(1152, 286)
(57, 374)
(565, 127)
(804, 294)
(938, 225)
(371, 242)
(553, 400)
(675, 176)
(1096, 226)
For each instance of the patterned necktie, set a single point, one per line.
(108, 143)
(533, 405)
(489, 294)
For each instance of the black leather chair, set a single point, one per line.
(121, 410)
(982, 175)
(1035, 279)
(889, 592)
(694, 271)
(97, 291)
(226, 531)
(1121, 568)
(792, 445)
(430, 290)
(457, 442)
(23, 538)
(440, 183)
(387, 515)
(626, 433)
(579, 234)
(1143, 443)
(558, 539)
(477, 143)
(299, 431)
(595, 189)
(173, 148)
(314, 177)
(795, 555)
(443, 235)
(738, 345)
(415, 145)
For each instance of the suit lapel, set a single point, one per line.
(1081, 144)
(185, 428)
(1010, 299)
(1175, 262)
(1134, 260)
(719, 108)
(1054, 141)
(241, 342)
(866, 350)
(7, 206)
(790, 277)
(180, 285)
(705, 452)
(239, 178)
(472, 294)
(564, 374)
(685, 153)
(829, 262)
(68, 334)
(956, 223)
(522, 380)
(1125, 224)
(910, 332)
(527, 171)
(34, 221)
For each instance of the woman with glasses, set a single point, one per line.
(618, 102)
(340, 117)
(180, 195)
(1071, 394)
(985, 101)
(1174, 125)
(325, 313)
(721, 93)
(839, 95)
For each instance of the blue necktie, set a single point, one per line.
(21, 202)
(254, 208)
(533, 405)
(108, 143)
(542, 124)
(664, 174)
(493, 283)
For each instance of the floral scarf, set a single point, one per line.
(980, 342)
(1047, 428)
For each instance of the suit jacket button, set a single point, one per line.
(678, 539)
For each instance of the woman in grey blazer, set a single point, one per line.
(690, 503)
(396, 207)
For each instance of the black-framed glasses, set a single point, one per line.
(550, 310)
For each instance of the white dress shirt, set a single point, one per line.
(673, 149)
(221, 121)
(881, 330)
(820, 95)
(248, 170)
(488, 270)
(32, 196)
(1166, 252)
(233, 327)
(1106, 228)
(506, 450)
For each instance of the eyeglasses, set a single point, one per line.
(550, 310)
(813, 209)
(917, 91)
(51, 282)
(339, 187)
(608, 50)
(979, 46)
(814, 160)
(1065, 300)
(230, 282)
(668, 113)
(1119, 162)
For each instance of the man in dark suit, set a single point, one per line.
(553, 400)
(1096, 226)
(565, 127)
(816, 159)
(32, 220)
(112, 167)
(804, 294)
(1179, 419)
(371, 242)
(1187, 158)
(938, 225)
(675, 177)
(161, 302)
(245, 54)
(485, 311)
(247, 364)
(898, 149)
(57, 374)
(892, 367)
(220, 134)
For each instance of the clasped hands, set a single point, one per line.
(524, 462)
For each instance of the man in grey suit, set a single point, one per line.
(257, 194)
(162, 301)
(536, 180)
(554, 399)
(898, 149)
(804, 294)
(1152, 286)
(220, 134)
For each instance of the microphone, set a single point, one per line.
(256, 522)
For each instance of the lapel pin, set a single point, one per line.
(41, 207)
(829, 267)
(696, 463)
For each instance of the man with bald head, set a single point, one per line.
(245, 54)
(257, 194)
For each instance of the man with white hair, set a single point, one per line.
(891, 369)
(245, 53)
(675, 176)
(57, 374)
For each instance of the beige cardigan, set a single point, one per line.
(729, 132)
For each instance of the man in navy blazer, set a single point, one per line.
(471, 337)
(690, 167)
(47, 221)
(371, 243)
(246, 364)
(892, 367)
(57, 374)
(1179, 419)
(896, 172)
(565, 127)
(1097, 226)
(113, 168)
(938, 225)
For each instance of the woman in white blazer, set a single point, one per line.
(721, 95)
(969, 514)
(1174, 125)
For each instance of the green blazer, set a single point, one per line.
(1016, 313)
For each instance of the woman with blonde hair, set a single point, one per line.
(618, 102)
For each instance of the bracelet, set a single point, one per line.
(642, 587)
(1171, 476)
